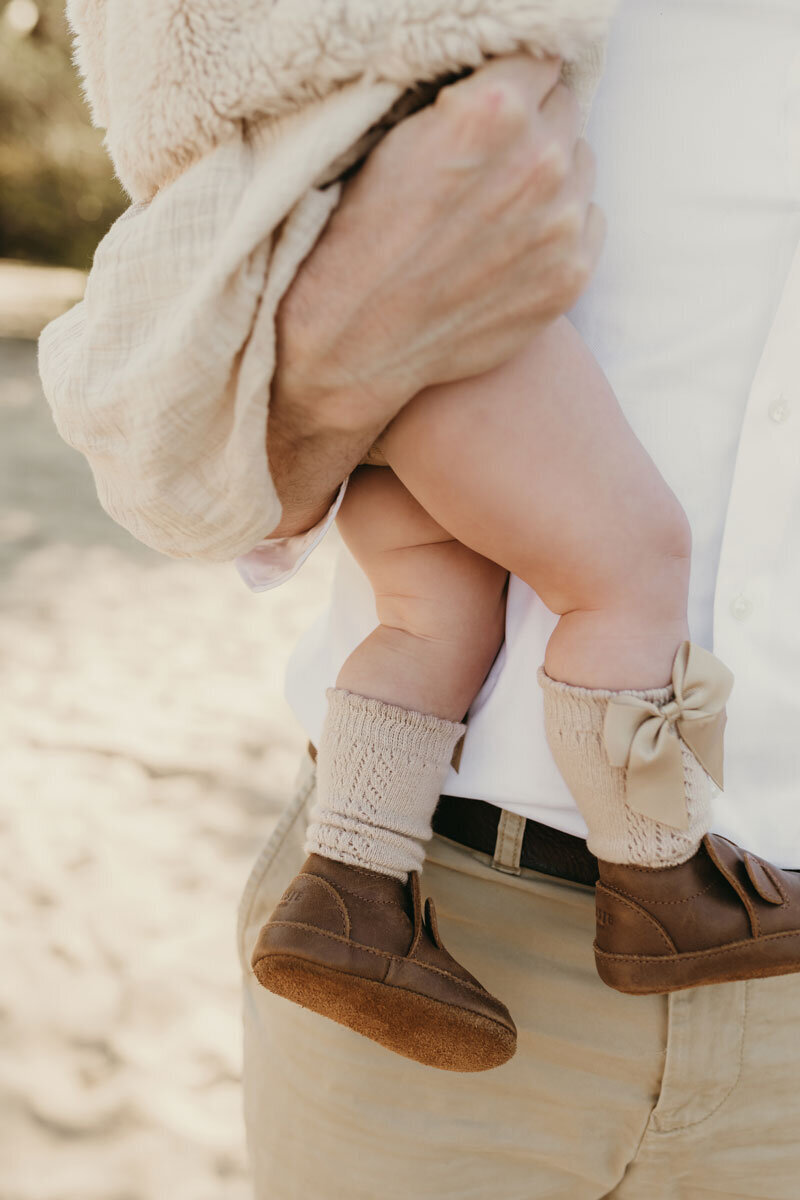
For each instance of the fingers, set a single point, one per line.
(494, 105)
(534, 78)
(577, 197)
(581, 176)
(562, 116)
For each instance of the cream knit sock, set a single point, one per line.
(380, 769)
(573, 721)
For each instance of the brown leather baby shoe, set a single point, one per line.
(723, 915)
(357, 947)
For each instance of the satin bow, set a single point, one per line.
(646, 739)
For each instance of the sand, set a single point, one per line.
(145, 750)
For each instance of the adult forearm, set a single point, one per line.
(308, 463)
(323, 416)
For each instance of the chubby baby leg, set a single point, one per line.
(351, 938)
(441, 606)
(394, 717)
(534, 465)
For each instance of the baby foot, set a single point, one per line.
(359, 947)
(723, 915)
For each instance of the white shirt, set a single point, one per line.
(694, 315)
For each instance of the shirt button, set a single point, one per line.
(741, 607)
(779, 410)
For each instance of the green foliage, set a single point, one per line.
(58, 193)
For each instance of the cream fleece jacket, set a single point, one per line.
(225, 121)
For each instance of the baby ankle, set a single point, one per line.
(574, 725)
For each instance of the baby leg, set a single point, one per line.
(534, 465)
(441, 607)
(351, 938)
(393, 718)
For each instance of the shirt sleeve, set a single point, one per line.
(275, 560)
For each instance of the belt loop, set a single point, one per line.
(508, 847)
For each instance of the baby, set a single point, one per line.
(161, 377)
(529, 469)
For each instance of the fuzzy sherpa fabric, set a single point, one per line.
(227, 121)
(170, 79)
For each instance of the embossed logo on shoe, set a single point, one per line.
(291, 896)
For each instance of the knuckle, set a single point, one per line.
(483, 112)
(569, 278)
(549, 168)
(506, 103)
(567, 223)
(581, 273)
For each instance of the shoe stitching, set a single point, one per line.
(740, 978)
(772, 876)
(684, 955)
(649, 900)
(730, 874)
(330, 889)
(370, 899)
(652, 870)
(363, 870)
(335, 937)
(499, 1023)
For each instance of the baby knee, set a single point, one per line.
(656, 578)
(667, 535)
(640, 570)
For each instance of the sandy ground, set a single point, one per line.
(145, 750)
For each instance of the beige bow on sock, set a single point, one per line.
(646, 739)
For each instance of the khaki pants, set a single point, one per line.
(691, 1097)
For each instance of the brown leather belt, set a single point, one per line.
(473, 823)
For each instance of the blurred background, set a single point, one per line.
(145, 748)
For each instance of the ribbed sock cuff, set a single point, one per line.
(380, 770)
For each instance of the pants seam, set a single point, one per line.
(266, 856)
(675, 1129)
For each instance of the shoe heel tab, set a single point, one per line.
(432, 923)
(416, 909)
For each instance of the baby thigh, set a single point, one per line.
(534, 465)
(440, 605)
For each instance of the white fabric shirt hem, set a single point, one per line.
(275, 560)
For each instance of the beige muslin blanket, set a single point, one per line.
(226, 121)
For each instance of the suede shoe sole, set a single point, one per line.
(646, 975)
(418, 1027)
(361, 949)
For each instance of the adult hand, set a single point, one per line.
(469, 227)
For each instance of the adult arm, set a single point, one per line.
(469, 227)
